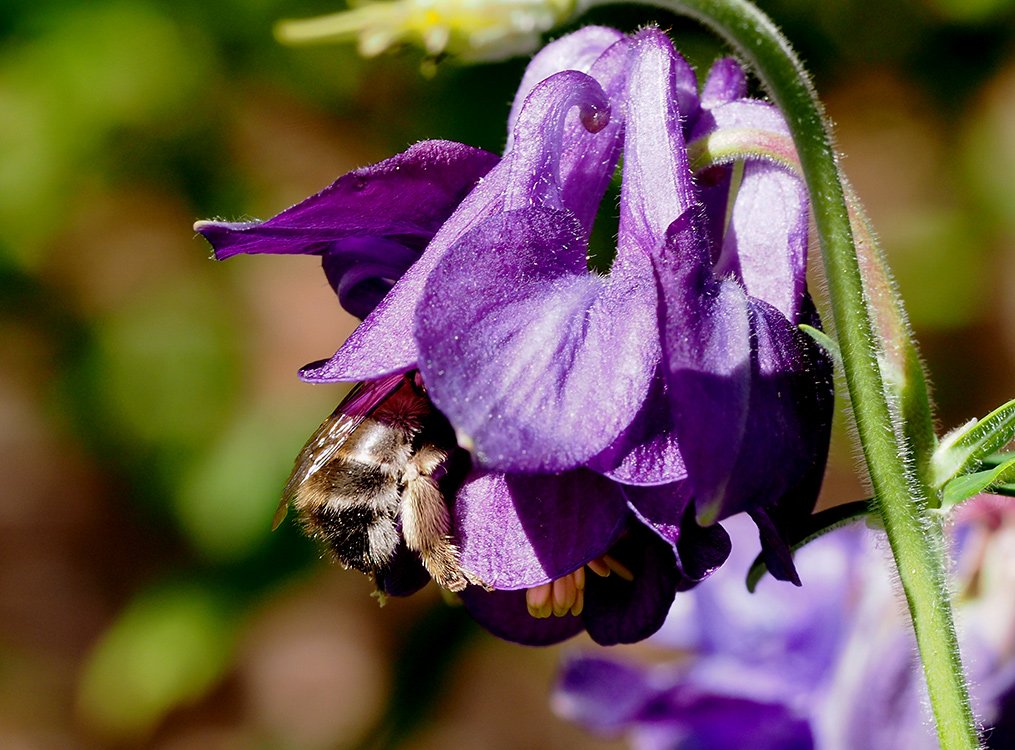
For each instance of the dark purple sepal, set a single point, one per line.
(404, 576)
(407, 196)
(775, 551)
(518, 531)
(362, 270)
(506, 615)
(622, 611)
(382, 215)
(667, 510)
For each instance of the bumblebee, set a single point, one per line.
(369, 478)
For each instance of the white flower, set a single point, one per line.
(471, 29)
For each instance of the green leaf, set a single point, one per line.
(963, 449)
(823, 340)
(817, 526)
(999, 479)
(167, 649)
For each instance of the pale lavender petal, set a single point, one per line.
(660, 709)
(603, 695)
(517, 531)
(765, 246)
(537, 363)
(749, 115)
(794, 634)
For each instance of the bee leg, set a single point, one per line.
(426, 522)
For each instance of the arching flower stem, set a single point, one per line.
(893, 419)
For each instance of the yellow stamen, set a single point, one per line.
(619, 568)
(579, 603)
(564, 593)
(537, 600)
(579, 579)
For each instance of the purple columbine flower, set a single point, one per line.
(831, 666)
(612, 419)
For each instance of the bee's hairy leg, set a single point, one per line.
(426, 522)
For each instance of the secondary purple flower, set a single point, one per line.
(611, 419)
(829, 666)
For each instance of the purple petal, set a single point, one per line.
(646, 452)
(539, 363)
(379, 217)
(505, 614)
(726, 82)
(657, 179)
(586, 163)
(749, 391)
(604, 695)
(621, 611)
(518, 531)
(688, 718)
(577, 51)
(534, 159)
(707, 357)
(384, 342)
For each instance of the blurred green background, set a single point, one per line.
(149, 408)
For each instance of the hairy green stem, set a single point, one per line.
(901, 494)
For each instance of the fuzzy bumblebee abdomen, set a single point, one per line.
(353, 507)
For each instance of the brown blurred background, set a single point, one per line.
(149, 408)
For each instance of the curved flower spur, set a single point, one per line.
(611, 420)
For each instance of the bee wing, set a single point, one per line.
(333, 432)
